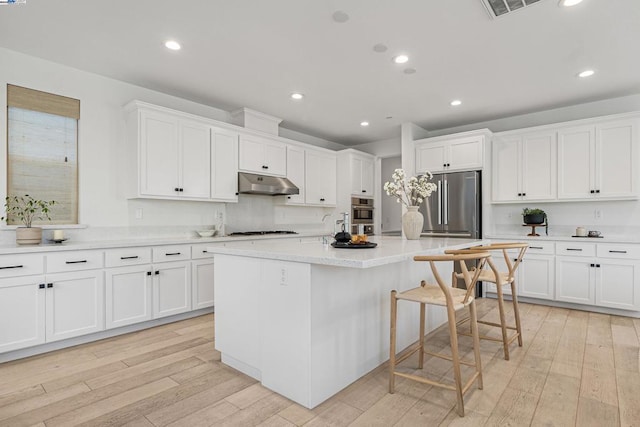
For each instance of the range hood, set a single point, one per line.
(250, 183)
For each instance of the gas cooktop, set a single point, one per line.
(259, 233)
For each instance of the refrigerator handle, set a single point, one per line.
(439, 202)
(445, 202)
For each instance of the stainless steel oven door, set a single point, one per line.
(361, 215)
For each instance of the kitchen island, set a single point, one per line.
(307, 319)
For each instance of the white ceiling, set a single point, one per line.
(255, 53)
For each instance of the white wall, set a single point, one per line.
(101, 129)
(391, 210)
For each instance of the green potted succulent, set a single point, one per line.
(533, 216)
(25, 209)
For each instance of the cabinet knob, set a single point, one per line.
(157, 272)
(49, 285)
(41, 286)
(592, 191)
(364, 191)
(181, 190)
(597, 191)
(265, 167)
(148, 273)
(176, 189)
(322, 200)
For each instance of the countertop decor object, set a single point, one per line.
(206, 233)
(410, 192)
(533, 216)
(26, 209)
(351, 245)
(57, 240)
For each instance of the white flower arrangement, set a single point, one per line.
(410, 192)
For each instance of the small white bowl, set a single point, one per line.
(206, 233)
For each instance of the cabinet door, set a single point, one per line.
(539, 170)
(159, 154)
(252, 154)
(356, 176)
(576, 151)
(320, 179)
(74, 304)
(367, 177)
(295, 173)
(171, 289)
(22, 312)
(536, 274)
(575, 280)
(128, 295)
(618, 284)
(276, 158)
(194, 160)
(224, 165)
(616, 159)
(202, 283)
(431, 157)
(506, 170)
(465, 153)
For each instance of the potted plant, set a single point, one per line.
(26, 209)
(533, 216)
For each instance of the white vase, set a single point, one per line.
(28, 235)
(412, 221)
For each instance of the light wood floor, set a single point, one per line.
(576, 368)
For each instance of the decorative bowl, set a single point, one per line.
(206, 233)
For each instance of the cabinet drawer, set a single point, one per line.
(171, 253)
(74, 261)
(612, 250)
(200, 252)
(576, 249)
(127, 256)
(21, 265)
(546, 248)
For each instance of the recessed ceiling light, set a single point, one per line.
(364, 124)
(586, 73)
(340, 16)
(567, 3)
(456, 102)
(172, 44)
(297, 96)
(400, 59)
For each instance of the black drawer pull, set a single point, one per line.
(41, 286)
(157, 272)
(205, 252)
(322, 200)
(76, 262)
(536, 247)
(592, 265)
(265, 167)
(573, 249)
(597, 265)
(172, 253)
(49, 285)
(129, 257)
(617, 252)
(11, 266)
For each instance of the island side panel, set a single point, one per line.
(351, 320)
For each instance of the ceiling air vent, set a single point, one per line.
(498, 8)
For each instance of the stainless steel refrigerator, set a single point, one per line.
(454, 209)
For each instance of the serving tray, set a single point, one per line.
(349, 245)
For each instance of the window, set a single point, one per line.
(42, 149)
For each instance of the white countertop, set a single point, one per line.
(564, 238)
(71, 245)
(390, 250)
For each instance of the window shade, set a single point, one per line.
(35, 100)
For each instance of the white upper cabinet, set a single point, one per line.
(159, 151)
(320, 178)
(224, 165)
(295, 173)
(263, 155)
(598, 161)
(194, 163)
(361, 176)
(453, 153)
(524, 167)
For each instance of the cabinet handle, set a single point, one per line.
(205, 252)
(181, 190)
(524, 194)
(444, 165)
(49, 285)
(176, 189)
(129, 257)
(597, 265)
(148, 273)
(536, 247)
(519, 194)
(41, 286)
(11, 266)
(322, 200)
(288, 197)
(364, 191)
(157, 272)
(82, 261)
(572, 249)
(592, 265)
(172, 253)
(617, 252)
(265, 167)
(592, 191)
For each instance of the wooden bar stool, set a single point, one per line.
(500, 279)
(453, 299)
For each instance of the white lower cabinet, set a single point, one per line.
(171, 288)
(536, 276)
(202, 283)
(22, 312)
(74, 304)
(575, 280)
(128, 295)
(618, 284)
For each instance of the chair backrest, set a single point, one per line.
(470, 277)
(512, 264)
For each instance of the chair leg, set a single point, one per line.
(516, 312)
(455, 356)
(476, 341)
(421, 355)
(392, 344)
(503, 322)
